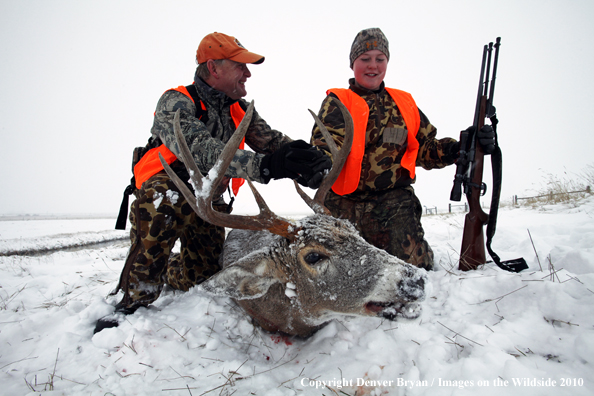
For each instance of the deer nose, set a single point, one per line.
(412, 286)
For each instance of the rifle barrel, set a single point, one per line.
(496, 58)
(486, 81)
(477, 109)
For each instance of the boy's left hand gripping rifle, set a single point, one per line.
(475, 142)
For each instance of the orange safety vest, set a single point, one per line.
(150, 164)
(348, 180)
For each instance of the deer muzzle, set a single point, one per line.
(409, 291)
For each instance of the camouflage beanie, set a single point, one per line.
(367, 40)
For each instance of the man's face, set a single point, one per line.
(370, 69)
(231, 79)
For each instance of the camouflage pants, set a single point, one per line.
(389, 220)
(160, 216)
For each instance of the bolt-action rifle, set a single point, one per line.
(469, 174)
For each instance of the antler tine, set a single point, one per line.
(195, 175)
(339, 158)
(201, 202)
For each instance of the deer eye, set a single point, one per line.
(313, 258)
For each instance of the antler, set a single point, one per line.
(205, 188)
(339, 159)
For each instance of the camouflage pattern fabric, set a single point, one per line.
(206, 138)
(389, 220)
(160, 216)
(385, 141)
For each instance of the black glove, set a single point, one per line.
(486, 138)
(298, 161)
(452, 152)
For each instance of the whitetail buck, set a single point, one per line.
(294, 277)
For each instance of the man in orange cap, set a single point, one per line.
(210, 109)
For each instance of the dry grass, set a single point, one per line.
(567, 188)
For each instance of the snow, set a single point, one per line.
(291, 290)
(32, 236)
(485, 332)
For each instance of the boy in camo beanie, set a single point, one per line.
(367, 40)
(374, 194)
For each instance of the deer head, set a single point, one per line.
(295, 276)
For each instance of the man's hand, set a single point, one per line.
(296, 160)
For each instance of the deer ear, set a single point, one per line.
(242, 282)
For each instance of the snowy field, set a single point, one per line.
(485, 332)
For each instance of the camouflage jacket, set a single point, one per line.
(381, 169)
(206, 140)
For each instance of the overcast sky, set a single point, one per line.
(79, 82)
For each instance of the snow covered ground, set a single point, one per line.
(486, 332)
